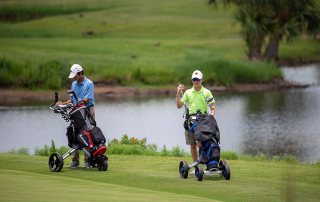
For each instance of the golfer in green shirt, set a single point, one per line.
(196, 98)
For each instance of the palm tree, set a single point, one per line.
(289, 19)
(274, 21)
(253, 20)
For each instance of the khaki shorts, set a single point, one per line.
(190, 140)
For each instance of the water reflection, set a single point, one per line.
(309, 74)
(284, 122)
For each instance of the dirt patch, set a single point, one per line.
(18, 97)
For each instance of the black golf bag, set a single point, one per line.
(83, 132)
(206, 131)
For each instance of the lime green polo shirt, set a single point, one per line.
(197, 100)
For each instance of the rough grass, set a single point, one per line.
(139, 178)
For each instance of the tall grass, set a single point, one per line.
(21, 13)
(53, 74)
(47, 150)
(17, 11)
(48, 75)
(223, 72)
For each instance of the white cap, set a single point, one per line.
(197, 74)
(75, 68)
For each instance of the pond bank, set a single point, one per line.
(18, 96)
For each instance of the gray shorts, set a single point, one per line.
(92, 112)
(190, 140)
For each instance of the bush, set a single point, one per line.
(135, 146)
(131, 146)
(286, 158)
(259, 157)
(129, 150)
(229, 155)
(177, 152)
(62, 149)
(47, 150)
(20, 151)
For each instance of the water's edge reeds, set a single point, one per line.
(52, 75)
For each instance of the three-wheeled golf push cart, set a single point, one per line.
(82, 134)
(206, 132)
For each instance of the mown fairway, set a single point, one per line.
(150, 178)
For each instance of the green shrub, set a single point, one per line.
(129, 150)
(285, 157)
(177, 152)
(20, 151)
(262, 157)
(62, 149)
(259, 157)
(48, 150)
(135, 146)
(45, 151)
(131, 146)
(229, 155)
(164, 151)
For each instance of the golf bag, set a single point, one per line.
(206, 131)
(82, 134)
(83, 131)
(209, 154)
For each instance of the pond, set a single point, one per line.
(273, 122)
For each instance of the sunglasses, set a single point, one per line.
(196, 79)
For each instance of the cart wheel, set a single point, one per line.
(199, 173)
(225, 170)
(55, 162)
(103, 166)
(183, 169)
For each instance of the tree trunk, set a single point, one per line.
(272, 50)
(254, 48)
(254, 53)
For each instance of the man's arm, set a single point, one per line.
(212, 109)
(178, 96)
(211, 103)
(89, 93)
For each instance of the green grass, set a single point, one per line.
(141, 42)
(156, 178)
